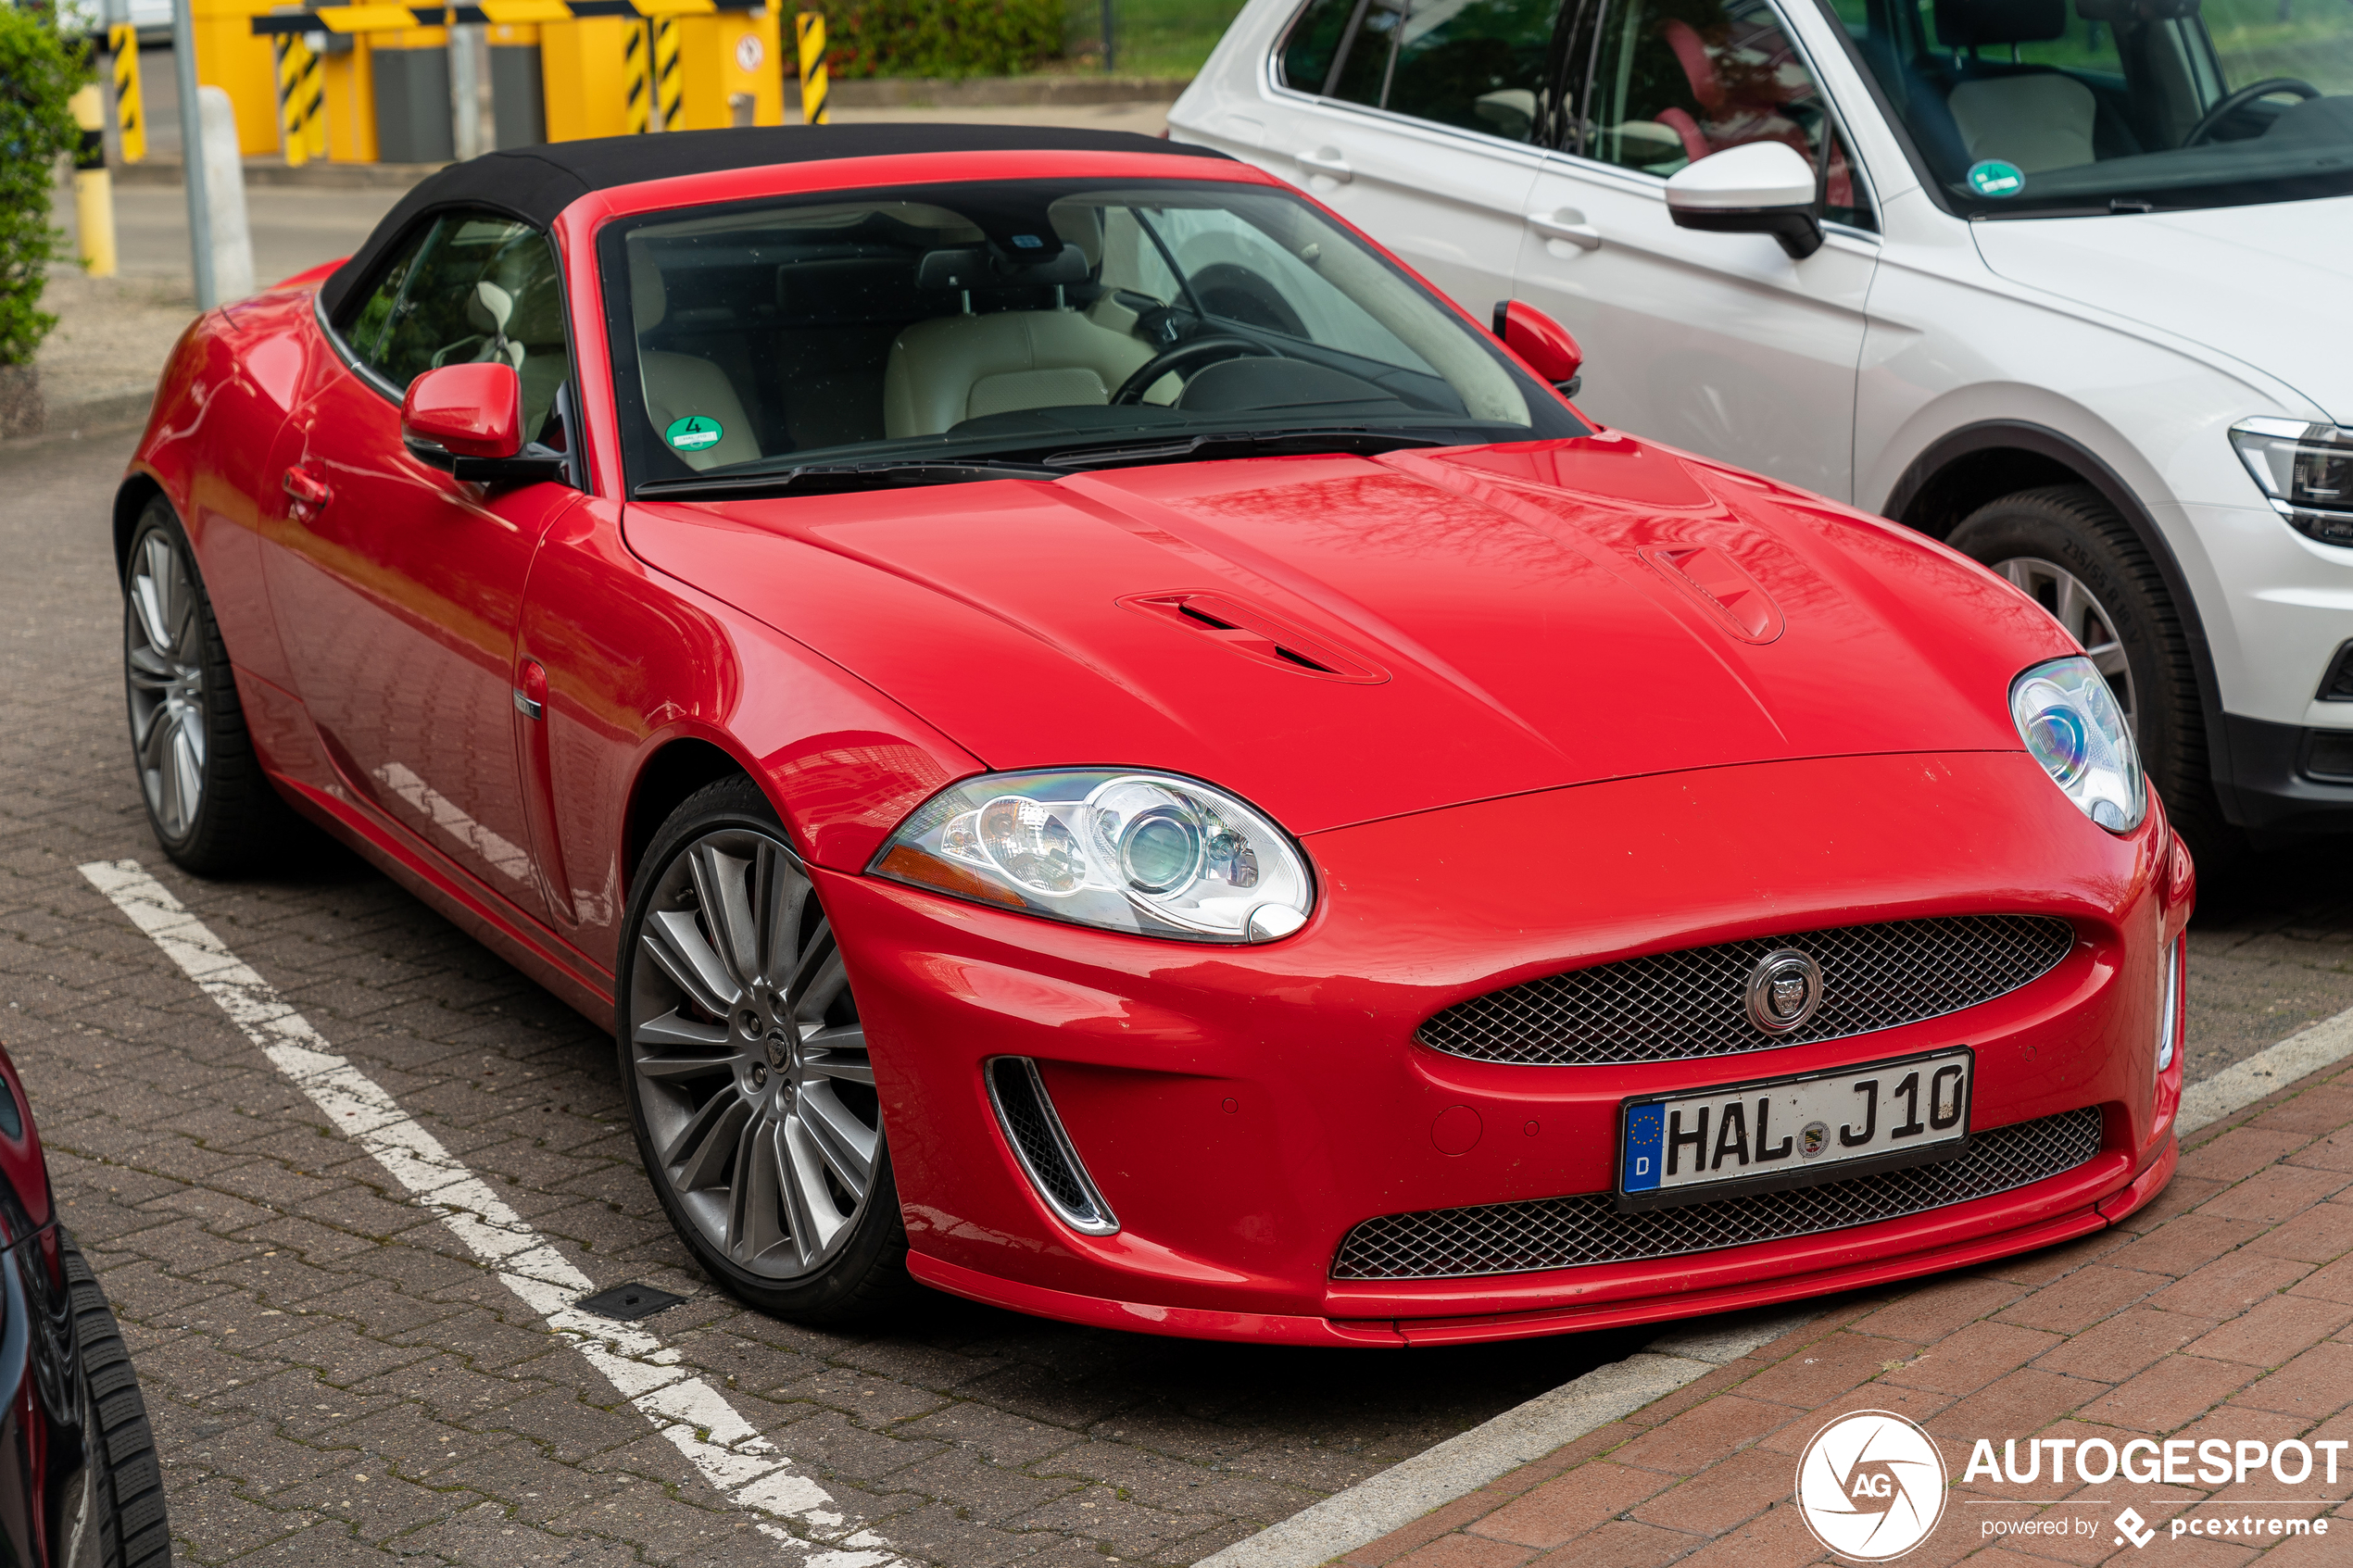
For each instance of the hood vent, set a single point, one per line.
(1256, 634)
(1721, 582)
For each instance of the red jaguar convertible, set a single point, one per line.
(1105, 748)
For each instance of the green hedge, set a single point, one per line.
(38, 74)
(941, 37)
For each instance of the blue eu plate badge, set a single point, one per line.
(1645, 1137)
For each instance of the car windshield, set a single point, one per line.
(2117, 105)
(1029, 319)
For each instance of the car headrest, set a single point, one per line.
(1961, 23)
(2129, 11)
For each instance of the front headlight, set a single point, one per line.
(2306, 469)
(2071, 724)
(1152, 854)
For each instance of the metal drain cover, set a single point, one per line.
(627, 1303)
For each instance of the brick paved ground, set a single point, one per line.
(333, 1379)
(2223, 1310)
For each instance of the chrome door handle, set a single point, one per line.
(1329, 162)
(1567, 224)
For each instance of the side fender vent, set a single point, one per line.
(1038, 1141)
(1256, 634)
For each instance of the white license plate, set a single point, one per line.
(1793, 1131)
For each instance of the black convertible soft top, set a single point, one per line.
(536, 184)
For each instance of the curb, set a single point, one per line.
(1406, 1491)
(105, 414)
(271, 171)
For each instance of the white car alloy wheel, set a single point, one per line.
(2076, 608)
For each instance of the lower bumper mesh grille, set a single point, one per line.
(1561, 1233)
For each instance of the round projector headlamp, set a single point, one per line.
(2068, 719)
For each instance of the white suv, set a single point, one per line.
(2064, 283)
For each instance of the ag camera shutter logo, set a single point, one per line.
(1871, 1486)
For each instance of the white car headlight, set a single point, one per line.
(1152, 854)
(2071, 724)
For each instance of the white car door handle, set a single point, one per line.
(1567, 224)
(1329, 162)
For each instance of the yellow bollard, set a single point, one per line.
(582, 67)
(728, 67)
(93, 188)
(229, 57)
(636, 79)
(668, 81)
(811, 26)
(301, 82)
(130, 111)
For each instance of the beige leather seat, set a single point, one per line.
(951, 368)
(2037, 123)
(679, 384)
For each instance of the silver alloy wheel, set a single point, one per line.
(752, 1067)
(2086, 620)
(165, 638)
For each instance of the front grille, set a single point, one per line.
(1563, 1233)
(1693, 1003)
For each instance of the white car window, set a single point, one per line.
(1477, 65)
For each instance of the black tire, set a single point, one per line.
(126, 1490)
(188, 693)
(863, 1274)
(2073, 527)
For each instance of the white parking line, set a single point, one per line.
(741, 1463)
(1406, 1491)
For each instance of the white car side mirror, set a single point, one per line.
(1758, 188)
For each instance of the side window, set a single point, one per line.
(1477, 65)
(1678, 80)
(471, 287)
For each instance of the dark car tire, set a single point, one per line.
(2073, 527)
(863, 1274)
(127, 1491)
(183, 708)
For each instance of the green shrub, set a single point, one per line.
(941, 37)
(38, 74)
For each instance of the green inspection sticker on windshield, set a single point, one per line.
(1994, 178)
(693, 434)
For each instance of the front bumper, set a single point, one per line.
(1242, 1108)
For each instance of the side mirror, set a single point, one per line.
(1759, 188)
(1541, 342)
(467, 420)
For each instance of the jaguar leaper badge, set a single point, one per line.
(1783, 990)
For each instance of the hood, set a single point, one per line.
(1339, 639)
(2271, 285)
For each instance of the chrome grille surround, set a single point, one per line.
(1692, 1002)
(1566, 1233)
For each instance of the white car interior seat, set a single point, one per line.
(951, 368)
(678, 384)
(2037, 123)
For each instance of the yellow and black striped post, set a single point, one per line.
(637, 80)
(811, 26)
(93, 187)
(130, 113)
(300, 84)
(670, 81)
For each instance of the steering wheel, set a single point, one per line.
(1192, 354)
(2231, 103)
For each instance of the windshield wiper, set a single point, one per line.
(814, 478)
(1356, 440)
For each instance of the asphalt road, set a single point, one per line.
(335, 1378)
